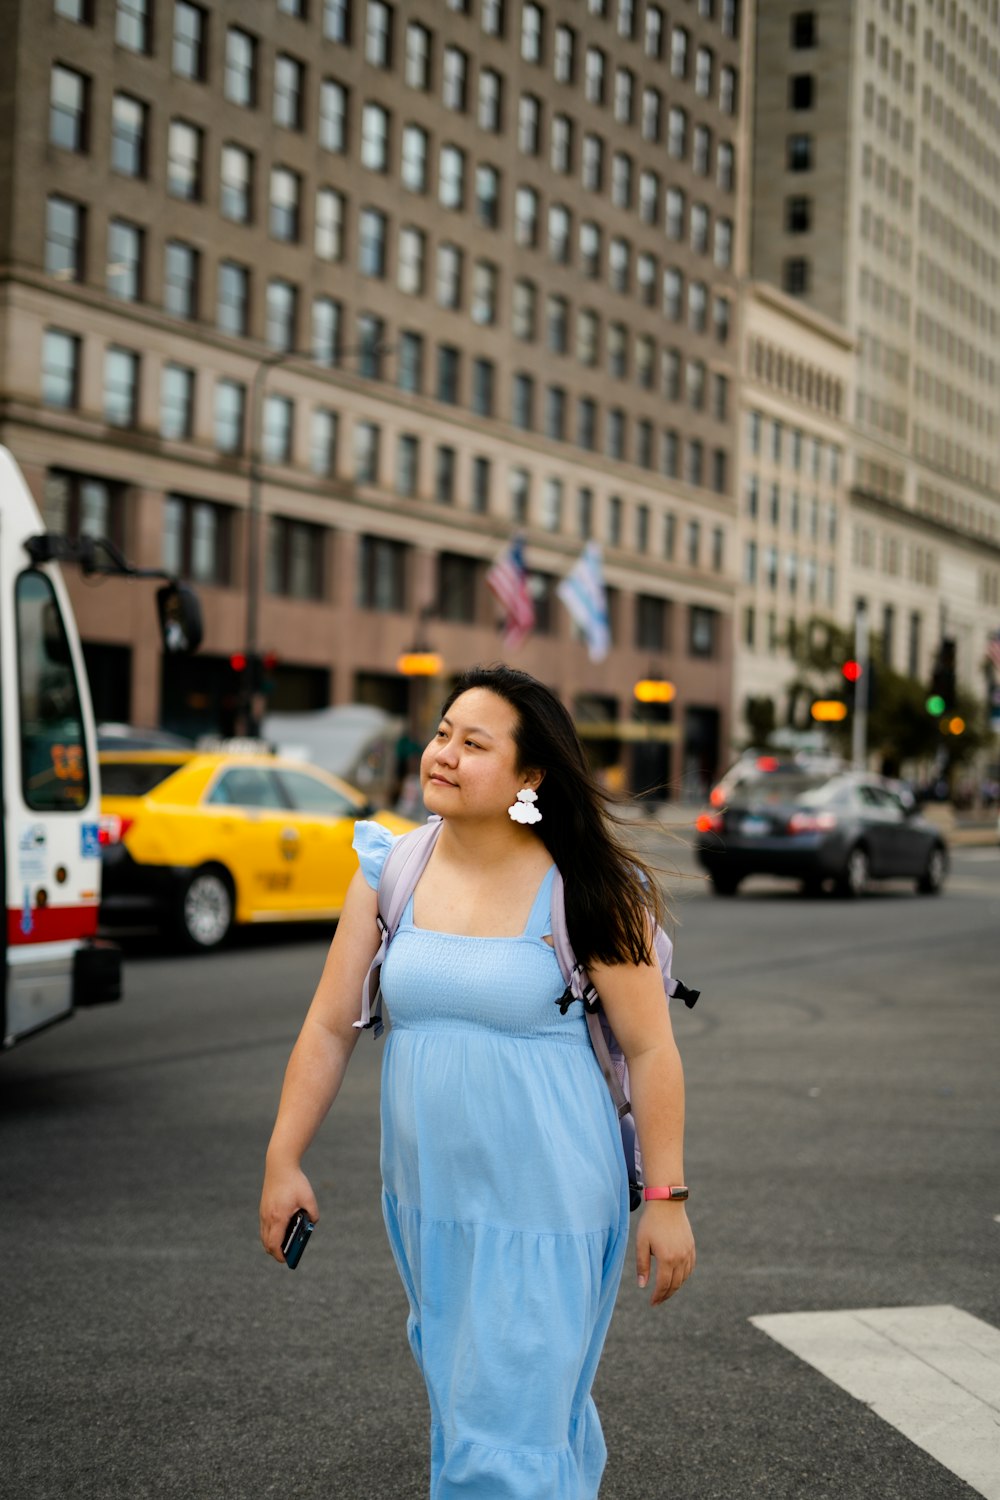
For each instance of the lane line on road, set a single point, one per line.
(933, 1373)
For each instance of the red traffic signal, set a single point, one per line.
(238, 661)
(270, 660)
(851, 671)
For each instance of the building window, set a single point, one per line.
(798, 215)
(720, 471)
(594, 76)
(176, 402)
(184, 157)
(492, 17)
(488, 196)
(286, 187)
(531, 33)
(621, 180)
(559, 234)
(407, 465)
(555, 413)
(448, 288)
(644, 444)
(444, 475)
(590, 249)
(457, 587)
(523, 310)
(674, 214)
(617, 344)
(699, 228)
(564, 54)
(230, 410)
(624, 93)
(490, 111)
(371, 341)
(679, 52)
(485, 279)
(645, 279)
(68, 112)
(375, 138)
(526, 218)
(121, 387)
(593, 163)
(673, 294)
(727, 90)
(702, 631)
(132, 24)
(417, 65)
(650, 622)
(455, 79)
(378, 34)
(451, 177)
(411, 363)
(326, 322)
(337, 21)
(615, 519)
(332, 116)
(180, 280)
(529, 114)
(725, 172)
(803, 30)
(557, 324)
(448, 368)
(801, 91)
(795, 275)
(615, 433)
(64, 238)
(289, 79)
(240, 83)
(552, 504)
(523, 402)
(371, 243)
(562, 144)
(197, 539)
(81, 11)
(78, 504)
(281, 315)
(410, 261)
(586, 423)
(799, 153)
(236, 185)
(519, 494)
(695, 462)
(366, 452)
(125, 261)
(382, 569)
(618, 265)
(279, 416)
(233, 298)
(329, 231)
(190, 33)
(60, 369)
(323, 432)
(722, 243)
(670, 374)
(479, 499)
(295, 558)
(129, 131)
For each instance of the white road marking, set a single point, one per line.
(933, 1373)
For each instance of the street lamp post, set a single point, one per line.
(265, 365)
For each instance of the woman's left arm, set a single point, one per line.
(632, 996)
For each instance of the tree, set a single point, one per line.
(762, 720)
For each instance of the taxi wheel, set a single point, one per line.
(205, 909)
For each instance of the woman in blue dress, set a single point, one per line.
(504, 1188)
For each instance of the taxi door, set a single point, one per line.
(256, 835)
(325, 819)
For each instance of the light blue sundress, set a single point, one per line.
(505, 1200)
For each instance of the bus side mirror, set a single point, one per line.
(180, 618)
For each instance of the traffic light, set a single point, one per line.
(851, 671)
(943, 684)
(238, 661)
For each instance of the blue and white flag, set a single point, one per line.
(583, 593)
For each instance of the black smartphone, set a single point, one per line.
(300, 1227)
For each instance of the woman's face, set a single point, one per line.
(470, 767)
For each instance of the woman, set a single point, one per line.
(505, 1193)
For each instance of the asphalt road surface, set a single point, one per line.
(842, 1071)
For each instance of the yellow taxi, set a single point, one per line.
(197, 841)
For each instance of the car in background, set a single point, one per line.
(755, 763)
(198, 842)
(846, 829)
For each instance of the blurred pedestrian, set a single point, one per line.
(505, 1193)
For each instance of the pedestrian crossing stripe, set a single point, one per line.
(933, 1373)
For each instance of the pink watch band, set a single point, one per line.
(679, 1192)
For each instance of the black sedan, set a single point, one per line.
(847, 829)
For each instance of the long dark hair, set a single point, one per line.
(610, 892)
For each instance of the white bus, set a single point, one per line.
(50, 864)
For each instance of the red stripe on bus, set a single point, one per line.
(51, 924)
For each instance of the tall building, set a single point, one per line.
(450, 269)
(876, 202)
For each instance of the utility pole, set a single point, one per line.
(859, 726)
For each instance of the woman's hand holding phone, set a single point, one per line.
(286, 1191)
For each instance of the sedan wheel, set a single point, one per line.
(854, 877)
(936, 868)
(205, 910)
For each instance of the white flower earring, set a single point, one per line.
(524, 810)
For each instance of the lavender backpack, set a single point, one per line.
(404, 865)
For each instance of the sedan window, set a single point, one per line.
(309, 794)
(247, 786)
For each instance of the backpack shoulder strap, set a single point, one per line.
(404, 864)
(579, 985)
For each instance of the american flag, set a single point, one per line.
(508, 580)
(993, 649)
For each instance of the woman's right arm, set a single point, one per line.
(317, 1065)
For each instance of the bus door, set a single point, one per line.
(51, 859)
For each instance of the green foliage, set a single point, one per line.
(762, 720)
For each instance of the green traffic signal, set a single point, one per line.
(935, 705)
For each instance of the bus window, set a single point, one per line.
(54, 768)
